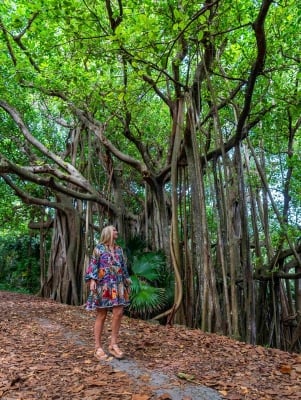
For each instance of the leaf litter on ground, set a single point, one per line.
(47, 349)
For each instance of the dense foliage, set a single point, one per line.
(19, 268)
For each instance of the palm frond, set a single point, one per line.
(148, 265)
(149, 299)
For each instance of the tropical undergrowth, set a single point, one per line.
(152, 286)
(19, 263)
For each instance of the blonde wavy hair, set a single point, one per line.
(106, 236)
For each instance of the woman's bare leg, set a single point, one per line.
(99, 326)
(116, 322)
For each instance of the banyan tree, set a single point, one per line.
(177, 121)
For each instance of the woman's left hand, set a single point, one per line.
(128, 282)
(92, 285)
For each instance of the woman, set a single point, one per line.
(109, 281)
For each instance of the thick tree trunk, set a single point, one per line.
(200, 242)
(222, 257)
(245, 253)
(64, 276)
(232, 243)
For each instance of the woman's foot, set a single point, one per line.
(100, 354)
(115, 351)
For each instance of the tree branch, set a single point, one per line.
(257, 67)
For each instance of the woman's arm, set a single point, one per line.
(92, 270)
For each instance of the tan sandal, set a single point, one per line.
(115, 351)
(100, 354)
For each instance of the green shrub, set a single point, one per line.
(19, 263)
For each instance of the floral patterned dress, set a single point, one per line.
(108, 269)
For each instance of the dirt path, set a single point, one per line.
(46, 352)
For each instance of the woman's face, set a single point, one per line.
(114, 234)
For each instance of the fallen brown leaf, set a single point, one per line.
(285, 369)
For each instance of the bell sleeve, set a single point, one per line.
(92, 269)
